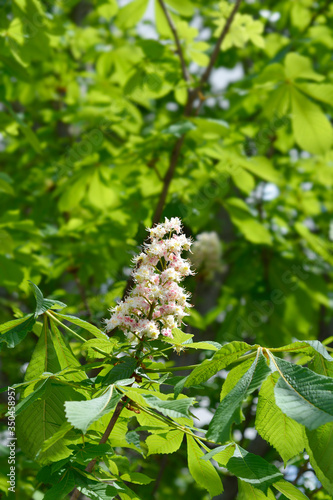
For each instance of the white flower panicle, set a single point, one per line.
(207, 254)
(157, 303)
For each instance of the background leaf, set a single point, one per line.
(202, 471)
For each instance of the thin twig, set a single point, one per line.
(219, 42)
(185, 73)
(168, 178)
(76, 493)
(188, 109)
(204, 78)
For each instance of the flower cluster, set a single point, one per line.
(207, 254)
(157, 303)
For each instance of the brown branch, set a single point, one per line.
(190, 101)
(76, 493)
(168, 178)
(219, 42)
(204, 78)
(176, 37)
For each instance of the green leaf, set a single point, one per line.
(297, 66)
(31, 137)
(13, 332)
(218, 450)
(286, 435)
(246, 492)
(89, 451)
(61, 489)
(123, 370)
(312, 130)
(42, 304)
(11, 272)
(234, 375)
(165, 442)
(81, 414)
(253, 469)
(133, 437)
(27, 131)
(175, 408)
(185, 7)
(98, 491)
(202, 471)
(309, 347)
(136, 478)
(83, 324)
(304, 395)
(38, 393)
(243, 180)
(179, 338)
(289, 490)
(320, 450)
(105, 344)
(43, 418)
(322, 91)
(15, 69)
(219, 428)
(221, 359)
(262, 167)
(253, 231)
(5, 187)
(315, 243)
(208, 346)
(131, 14)
(108, 9)
(63, 430)
(152, 48)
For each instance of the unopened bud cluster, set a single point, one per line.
(157, 303)
(207, 254)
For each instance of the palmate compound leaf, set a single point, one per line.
(203, 472)
(81, 414)
(226, 413)
(253, 469)
(304, 395)
(282, 432)
(44, 417)
(221, 359)
(52, 354)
